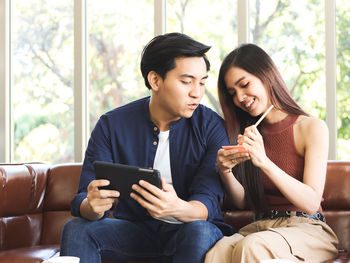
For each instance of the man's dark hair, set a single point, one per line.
(160, 53)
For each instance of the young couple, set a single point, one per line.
(281, 176)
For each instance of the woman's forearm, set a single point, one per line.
(234, 189)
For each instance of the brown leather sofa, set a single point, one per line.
(35, 204)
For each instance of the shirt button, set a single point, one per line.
(154, 143)
(155, 128)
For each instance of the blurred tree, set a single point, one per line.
(114, 55)
(205, 22)
(43, 77)
(293, 33)
(343, 78)
(298, 50)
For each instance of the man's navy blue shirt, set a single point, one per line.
(127, 135)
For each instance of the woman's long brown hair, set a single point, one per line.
(257, 62)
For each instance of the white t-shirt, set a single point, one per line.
(162, 164)
(162, 158)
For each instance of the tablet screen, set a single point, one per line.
(122, 176)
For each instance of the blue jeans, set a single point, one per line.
(121, 240)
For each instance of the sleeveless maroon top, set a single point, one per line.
(280, 149)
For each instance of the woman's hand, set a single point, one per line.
(227, 159)
(253, 142)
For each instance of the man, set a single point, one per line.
(169, 131)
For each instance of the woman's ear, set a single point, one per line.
(154, 80)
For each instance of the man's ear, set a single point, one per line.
(154, 80)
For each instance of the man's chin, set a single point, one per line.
(187, 114)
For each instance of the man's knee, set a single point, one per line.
(75, 227)
(201, 230)
(194, 239)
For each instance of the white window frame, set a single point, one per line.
(81, 111)
(6, 127)
(331, 76)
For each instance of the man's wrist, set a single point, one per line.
(87, 211)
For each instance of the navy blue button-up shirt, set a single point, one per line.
(127, 135)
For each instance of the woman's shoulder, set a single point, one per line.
(309, 122)
(310, 126)
(310, 132)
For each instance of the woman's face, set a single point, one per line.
(247, 91)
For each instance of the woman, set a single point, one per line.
(282, 175)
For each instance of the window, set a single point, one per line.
(292, 32)
(205, 22)
(343, 78)
(37, 116)
(117, 32)
(42, 44)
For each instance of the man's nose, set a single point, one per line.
(196, 90)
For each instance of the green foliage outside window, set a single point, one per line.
(43, 64)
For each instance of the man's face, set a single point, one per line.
(182, 89)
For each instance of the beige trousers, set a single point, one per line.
(296, 238)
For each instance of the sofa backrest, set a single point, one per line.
(336, 204)
(62, 185)
(35, 202)
(22, 189)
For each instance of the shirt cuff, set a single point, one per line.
(76, 202)
(207, 202)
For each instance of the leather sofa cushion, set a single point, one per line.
(20, 231)
(52, 228)
(21, 195)
(58, 193)
(22, 185)
(34, 254)
(339, 221)
(337, 189)
(57, 200)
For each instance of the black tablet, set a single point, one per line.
(122, 176)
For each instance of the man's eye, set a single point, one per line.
(186, 82)
(202, 83)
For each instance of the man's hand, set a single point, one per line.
(97, 201)
(159, 203)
